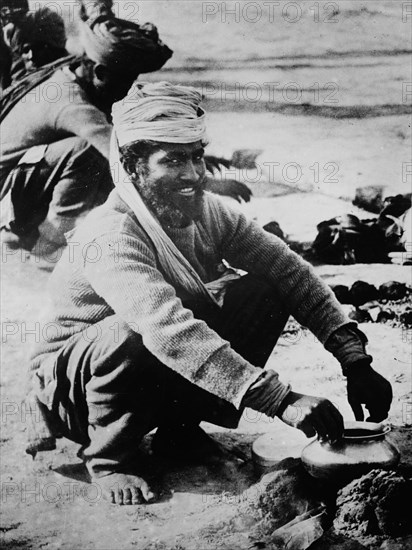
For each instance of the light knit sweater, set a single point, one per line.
(110, 267)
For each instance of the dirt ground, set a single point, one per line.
(49, 503)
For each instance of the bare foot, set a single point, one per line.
(124, 489)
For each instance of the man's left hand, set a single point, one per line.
(215, 163)
(367, 387)
(230, 188)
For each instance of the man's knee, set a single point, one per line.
(112, 348)
(254, 290)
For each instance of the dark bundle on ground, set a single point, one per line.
(274, 228)
(392, 290)
(362, 292)
(374, 505)
(342, 294)
(347, 239)
(369, 198)
(397, 205)
(358, 294)
(391, 303)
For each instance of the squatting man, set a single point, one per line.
(183, 337)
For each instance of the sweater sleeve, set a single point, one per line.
(245, 245)
(127, 278)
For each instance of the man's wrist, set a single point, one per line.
(348, 346)
(289, 398)
(266, 393)
(358, 368)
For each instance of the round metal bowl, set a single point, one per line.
(363, 447)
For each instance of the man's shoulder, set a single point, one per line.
(61, 86)
(112, 219)
(217, 208)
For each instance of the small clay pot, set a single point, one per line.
(363, 448)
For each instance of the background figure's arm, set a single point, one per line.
(229, 188)
(224, 186)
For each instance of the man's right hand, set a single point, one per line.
(312, 415)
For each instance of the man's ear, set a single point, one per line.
(101, 72)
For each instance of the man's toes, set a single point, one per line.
(127, 495)
(146, 492)
(136, 495)
(109, 495)
(117, 495)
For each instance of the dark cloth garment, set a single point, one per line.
(347, 239)
(111, 391)
(71, 178)
(123, 46)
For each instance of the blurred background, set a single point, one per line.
(322, 89)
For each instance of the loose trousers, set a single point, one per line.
(111, 390)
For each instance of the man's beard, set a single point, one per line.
(168, 207)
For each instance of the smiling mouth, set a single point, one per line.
(186, 191)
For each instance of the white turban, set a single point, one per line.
(160, 112)
(166, 113)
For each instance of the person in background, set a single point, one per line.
(54, 166)
(11, 13)
(55, 139)
(39, 39)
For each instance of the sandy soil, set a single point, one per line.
(49, 503)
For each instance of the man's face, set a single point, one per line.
(172, 181)
(38, 54)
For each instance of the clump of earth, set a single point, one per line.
(374, 506)
(287, 492)
(369, 512)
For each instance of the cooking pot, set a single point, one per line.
(363, 447)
